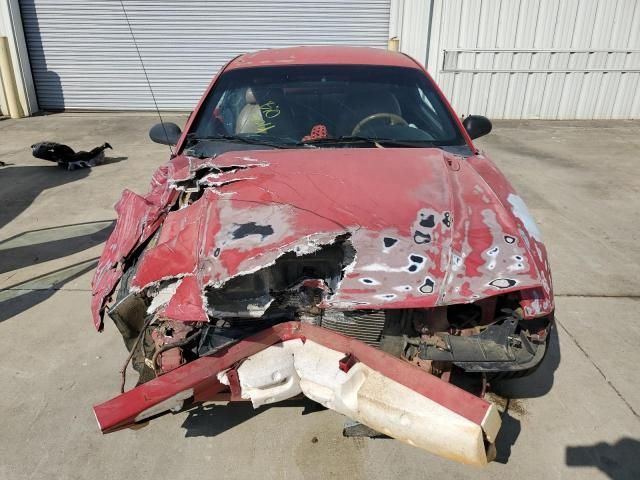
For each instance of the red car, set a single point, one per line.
(327, 227)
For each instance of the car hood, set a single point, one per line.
(425, 226)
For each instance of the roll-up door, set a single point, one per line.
(83, 57)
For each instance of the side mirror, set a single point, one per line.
(477, 126)
(166, 133)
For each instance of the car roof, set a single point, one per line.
(329, 55)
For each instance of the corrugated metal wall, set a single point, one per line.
(410, 23)
(552, 59)
(4, 108)
(82, 55)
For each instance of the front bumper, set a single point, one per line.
(342, 373)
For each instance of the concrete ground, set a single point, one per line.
(577, 417)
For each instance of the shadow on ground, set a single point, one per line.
(209, 420)
(508, 392)
(108, 160)
(538, 383)
(213, 419)
(37, 246)
(619, 461)
(21, 184)
(22, 296)
(507, 436)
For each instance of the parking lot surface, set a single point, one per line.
(577, 417)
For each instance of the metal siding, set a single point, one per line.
(82, 55)
(4, 108)
(415, 19)
(551, 59)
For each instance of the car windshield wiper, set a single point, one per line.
(374, 140)
(193, 139)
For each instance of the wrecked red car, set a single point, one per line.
(327, 227)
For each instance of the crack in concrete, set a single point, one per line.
(584, 352)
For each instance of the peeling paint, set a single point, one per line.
(521, 211)
(430, 239)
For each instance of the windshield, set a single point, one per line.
(325, 106)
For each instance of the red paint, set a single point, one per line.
(347, 362)
(314, 195)
(176, 252)
(358, 291)
(301, 197)
(186, 304)
(200, 375)
(324, 56)
(321, 56)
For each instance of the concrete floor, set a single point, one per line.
(577, 417)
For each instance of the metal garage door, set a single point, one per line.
(552, 59)
(82, 55)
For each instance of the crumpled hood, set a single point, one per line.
(426, 227)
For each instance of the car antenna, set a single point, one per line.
(155, 103)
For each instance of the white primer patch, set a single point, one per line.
(385, 297)
(253, 310)
(163, 296)
(403, 288)
(174, 404)
(521, 211)
(380, 267)
(209, 181)
(286, 369)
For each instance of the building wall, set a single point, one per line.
(410, 23)
(549, 59)
(4, 109)
(11, 27)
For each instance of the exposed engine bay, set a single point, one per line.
(485, 337)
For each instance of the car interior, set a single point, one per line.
(306, 109)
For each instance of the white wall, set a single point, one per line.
(548, 59)
(551, 59)
(11, 27)
(409, 22)
(4, 109)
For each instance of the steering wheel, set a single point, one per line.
(393, 120)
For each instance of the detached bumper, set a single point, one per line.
(344, 374)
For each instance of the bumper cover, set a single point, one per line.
(344, 374)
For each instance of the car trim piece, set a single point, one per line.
(200, 375)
